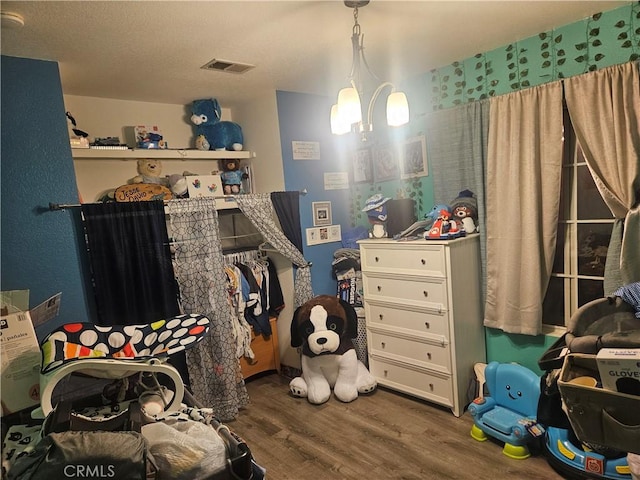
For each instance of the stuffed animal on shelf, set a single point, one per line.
(149, 171)
(464, 209)
(202, 143)
(323, 327)
(377, 215)
(178, 185)
(232, 177)
(219, 135)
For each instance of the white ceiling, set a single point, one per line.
(153, 50)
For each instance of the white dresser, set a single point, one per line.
(423, 316)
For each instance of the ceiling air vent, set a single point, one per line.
(227, 66)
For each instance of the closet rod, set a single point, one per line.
(63, 206)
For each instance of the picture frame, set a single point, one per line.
(362, 166)
(414, 158)
(318, 235)
(321, 214)
(385, 163)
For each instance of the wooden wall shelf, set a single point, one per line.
(173, 154)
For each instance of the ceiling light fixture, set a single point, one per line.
(346, 115)
(11, 20)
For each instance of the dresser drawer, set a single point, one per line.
(417, 291)
(430, 322)
(411, 380)
(403, 258)
(428, 355)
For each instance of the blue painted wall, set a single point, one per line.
(306, 118)
(39, 248)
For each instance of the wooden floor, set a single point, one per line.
(382, 436)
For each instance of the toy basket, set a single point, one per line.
(598, 416)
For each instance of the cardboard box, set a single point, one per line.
(619, 369)
(20, 367)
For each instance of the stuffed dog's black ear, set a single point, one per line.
(352, 319)
(296, 338)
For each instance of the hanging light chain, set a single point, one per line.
(356, 25)
(348, 110)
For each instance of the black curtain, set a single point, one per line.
(130, 261)
(287, 207)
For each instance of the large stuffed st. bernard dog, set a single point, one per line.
(324, 327)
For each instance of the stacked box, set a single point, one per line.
(620, 369)
(20, 363)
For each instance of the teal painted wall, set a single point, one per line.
(419, 189)
(40, 250)
(605, 39)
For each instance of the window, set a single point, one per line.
(584, 230)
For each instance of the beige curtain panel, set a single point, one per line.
(605, 111)
(524, 164)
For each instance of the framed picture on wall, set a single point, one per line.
(321, 214)
(414, 158)
(362, 166)
(385, 163)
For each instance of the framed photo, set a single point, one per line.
(385, 163)
(414, 158)
(362, 166)
(321, 214)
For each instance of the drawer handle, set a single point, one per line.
(385, 372)
(429, 355)
(427, 325)
(379, 288)
(423, 261)
(382, 344)
(377, 259)
(381, 316)
(431, 387)
(425, 293)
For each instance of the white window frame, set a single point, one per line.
(570, 274)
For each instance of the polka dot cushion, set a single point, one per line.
(75, 341)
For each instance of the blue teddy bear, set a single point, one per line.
(219, 135)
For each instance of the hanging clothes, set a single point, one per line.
(256, 313)
(237, 289)
(276, 298)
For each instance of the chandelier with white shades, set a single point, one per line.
(347, 115)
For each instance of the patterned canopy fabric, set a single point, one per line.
(76, 341)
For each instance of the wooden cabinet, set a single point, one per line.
(267, 354)
(424, 317)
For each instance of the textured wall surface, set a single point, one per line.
(39, 248)
(599, 41)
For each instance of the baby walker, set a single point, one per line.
(604, 323)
